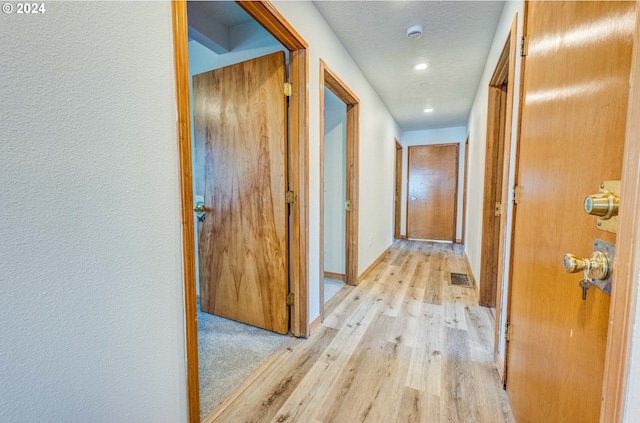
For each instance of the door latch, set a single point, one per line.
(598, 269)
(200, 211)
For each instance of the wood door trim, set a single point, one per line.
(181, 64)
(624, 291)
(464, 190)
(331, 81)
(504, 74)
(397, 186)
(510, 66)
(266, 15)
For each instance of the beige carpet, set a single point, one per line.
(228, 352)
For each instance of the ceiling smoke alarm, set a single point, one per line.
(414, 32)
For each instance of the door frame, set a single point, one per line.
(455, 195)
(464, 190)
(624, 290)
(330, 80)
(496, 173)
(267, 16)
(397, 218)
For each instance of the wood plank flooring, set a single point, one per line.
(404, 346)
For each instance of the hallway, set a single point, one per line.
(403, 346)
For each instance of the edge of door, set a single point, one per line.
(624, 290)
(511, 46)
(267, 16)
(331, 81)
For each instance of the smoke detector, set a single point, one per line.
(414, 32)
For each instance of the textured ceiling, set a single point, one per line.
(456, 41)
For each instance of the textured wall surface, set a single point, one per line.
(377, 147)
(91, 314)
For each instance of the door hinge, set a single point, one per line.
(288, 89)
(347, 205)
(290, 197)
(523, 46)
(507, 332)
(290, 298)
(498, 209)
(515, 194)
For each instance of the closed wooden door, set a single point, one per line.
(576, 85)
(240, 112)
(432, 192)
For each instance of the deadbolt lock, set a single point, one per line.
(605, 206)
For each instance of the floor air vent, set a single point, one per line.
(459, 279)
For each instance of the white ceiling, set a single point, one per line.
(456, 41)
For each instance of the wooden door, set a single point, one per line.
(240, 111)
(398, 191)
(432, 192)
(576, 81)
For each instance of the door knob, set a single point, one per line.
(413, 198)
(598, 266)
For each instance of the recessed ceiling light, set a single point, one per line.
(421, 66)
(428, 110)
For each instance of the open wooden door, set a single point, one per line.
(576, 82)
(240, 111)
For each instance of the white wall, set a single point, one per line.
(632, 412)
(335, 182)
(377, 145)
(456, 135)
(91, 297)
(477, 146)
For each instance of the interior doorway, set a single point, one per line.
(338, 92)
(334, 194)
(432, 187)
(295, 170)
(496, 173)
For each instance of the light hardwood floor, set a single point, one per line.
(403, 346)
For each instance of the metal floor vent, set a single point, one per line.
(459, 279)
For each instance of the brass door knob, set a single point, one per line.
(599, 265)
(199, 208)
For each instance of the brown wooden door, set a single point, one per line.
(240, 110)
(573, 127)
(432, 192)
